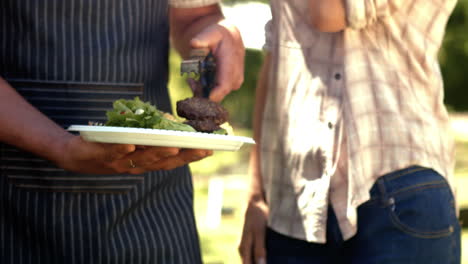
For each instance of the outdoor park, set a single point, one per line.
(221, 180)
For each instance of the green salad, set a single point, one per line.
(136, 113)
(139, 114)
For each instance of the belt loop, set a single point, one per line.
(384, 199)
(383, 193)
(381, 186)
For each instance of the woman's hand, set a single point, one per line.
(252, 245)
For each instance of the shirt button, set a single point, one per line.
(337, 76)
(330, 125)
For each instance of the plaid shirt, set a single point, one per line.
(344, 108)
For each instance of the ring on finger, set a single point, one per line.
(132, 164)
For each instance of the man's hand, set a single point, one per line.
(205, 27)
(99, 158)
(252, 245)
(225, 42)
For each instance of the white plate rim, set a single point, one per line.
(224, 141)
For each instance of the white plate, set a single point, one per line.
(159, 137)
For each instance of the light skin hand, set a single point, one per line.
(205, 27)
(226, 44)
(252, 245)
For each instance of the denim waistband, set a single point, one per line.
(406, 179)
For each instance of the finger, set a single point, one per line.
(142, 159)
(223, 86)
(230, 71)
(208, 153)
(208, 38)
(184, 157)
(245, 247)
(247, 242)
(150, 155)
(159, 152)
(259, 246)
(261, 261)
(191, 155)
(118, 151)
(154, 155)
(86, 150)
(187, 156)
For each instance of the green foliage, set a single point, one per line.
(240, 103)
(454, 58)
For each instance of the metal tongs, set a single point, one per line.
(202, 65)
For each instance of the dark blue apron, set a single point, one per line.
(71, 59)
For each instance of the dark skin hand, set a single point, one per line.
(100, 158)
(30, 130)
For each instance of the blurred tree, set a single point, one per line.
(454, 58)
(241, 102)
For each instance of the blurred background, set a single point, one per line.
(221, 181)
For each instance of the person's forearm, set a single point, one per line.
(187, 22)
(23, 126)
(327, 15)
(256, 187)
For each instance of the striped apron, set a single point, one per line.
(71, 59)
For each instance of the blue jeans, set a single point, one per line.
(410, 218)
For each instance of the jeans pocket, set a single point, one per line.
(424, 210)
(66, 103)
